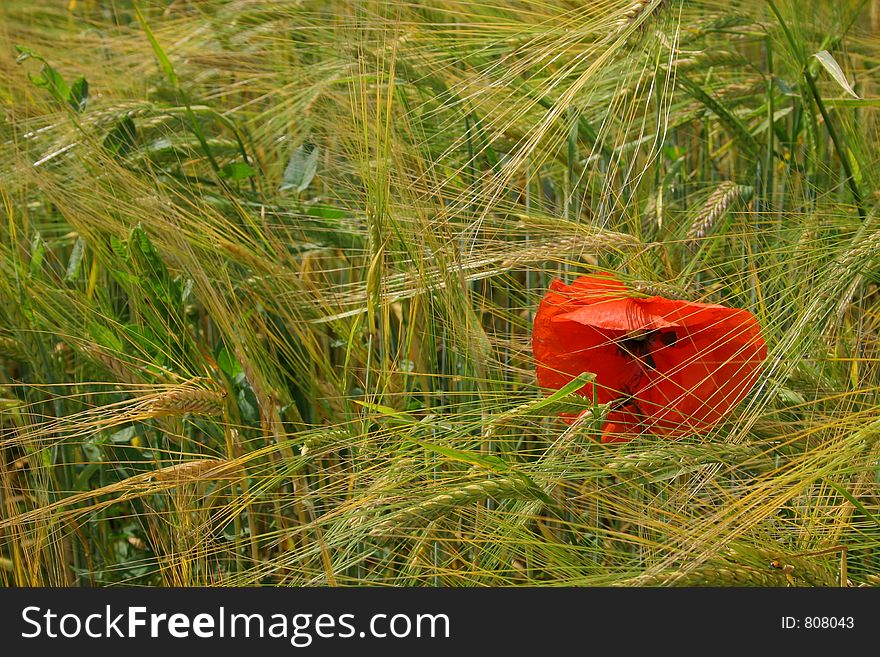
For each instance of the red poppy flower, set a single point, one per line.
(668, 367)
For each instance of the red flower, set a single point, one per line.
(670, 367)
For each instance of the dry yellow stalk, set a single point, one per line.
(198, 469)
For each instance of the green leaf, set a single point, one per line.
(852, 102)
(326, 212)
(827, 60)
(38, 249)
(229, 364)
(119, 249)
(78, 95)
(83, 479)
(140, 245)
(75, 261)
(155, 279)
(105, 337)
(487, 461)
(569, 388)
(564, 400)
(247, 400)
(53, 81)
(49, 78)
(387, 411)
(301, 168)
(164, 62)
(146, 341)
(127, 277)
(733, 124)
(237, 171)
(27, 53)
(122, 138)
(856, 169)
(123, 436)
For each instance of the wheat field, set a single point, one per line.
(269, 271)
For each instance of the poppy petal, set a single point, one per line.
(624, 315)
(683, 365)
(710, 368)
(564, 348)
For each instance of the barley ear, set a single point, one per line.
(180, 401)
(715, 207)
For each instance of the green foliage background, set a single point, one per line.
(268, 271)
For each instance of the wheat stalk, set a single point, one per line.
(741, 89)
(718, 203)
(710, 575)
(490, 262)
(439, 505)
(198, 469)
(706, 59)
(653, 289)
(687, 456)
(634, 12)
(120, 369)
(800, 567)
(179, 401)
(376, 494)
(11, 348)
(317, 439)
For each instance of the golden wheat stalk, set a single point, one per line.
(634, 12)
(197, 470)
(718, 203)
(604, 241)
(180, 401)
(706, 59)
(136, 486)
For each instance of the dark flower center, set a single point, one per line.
(641, 346)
